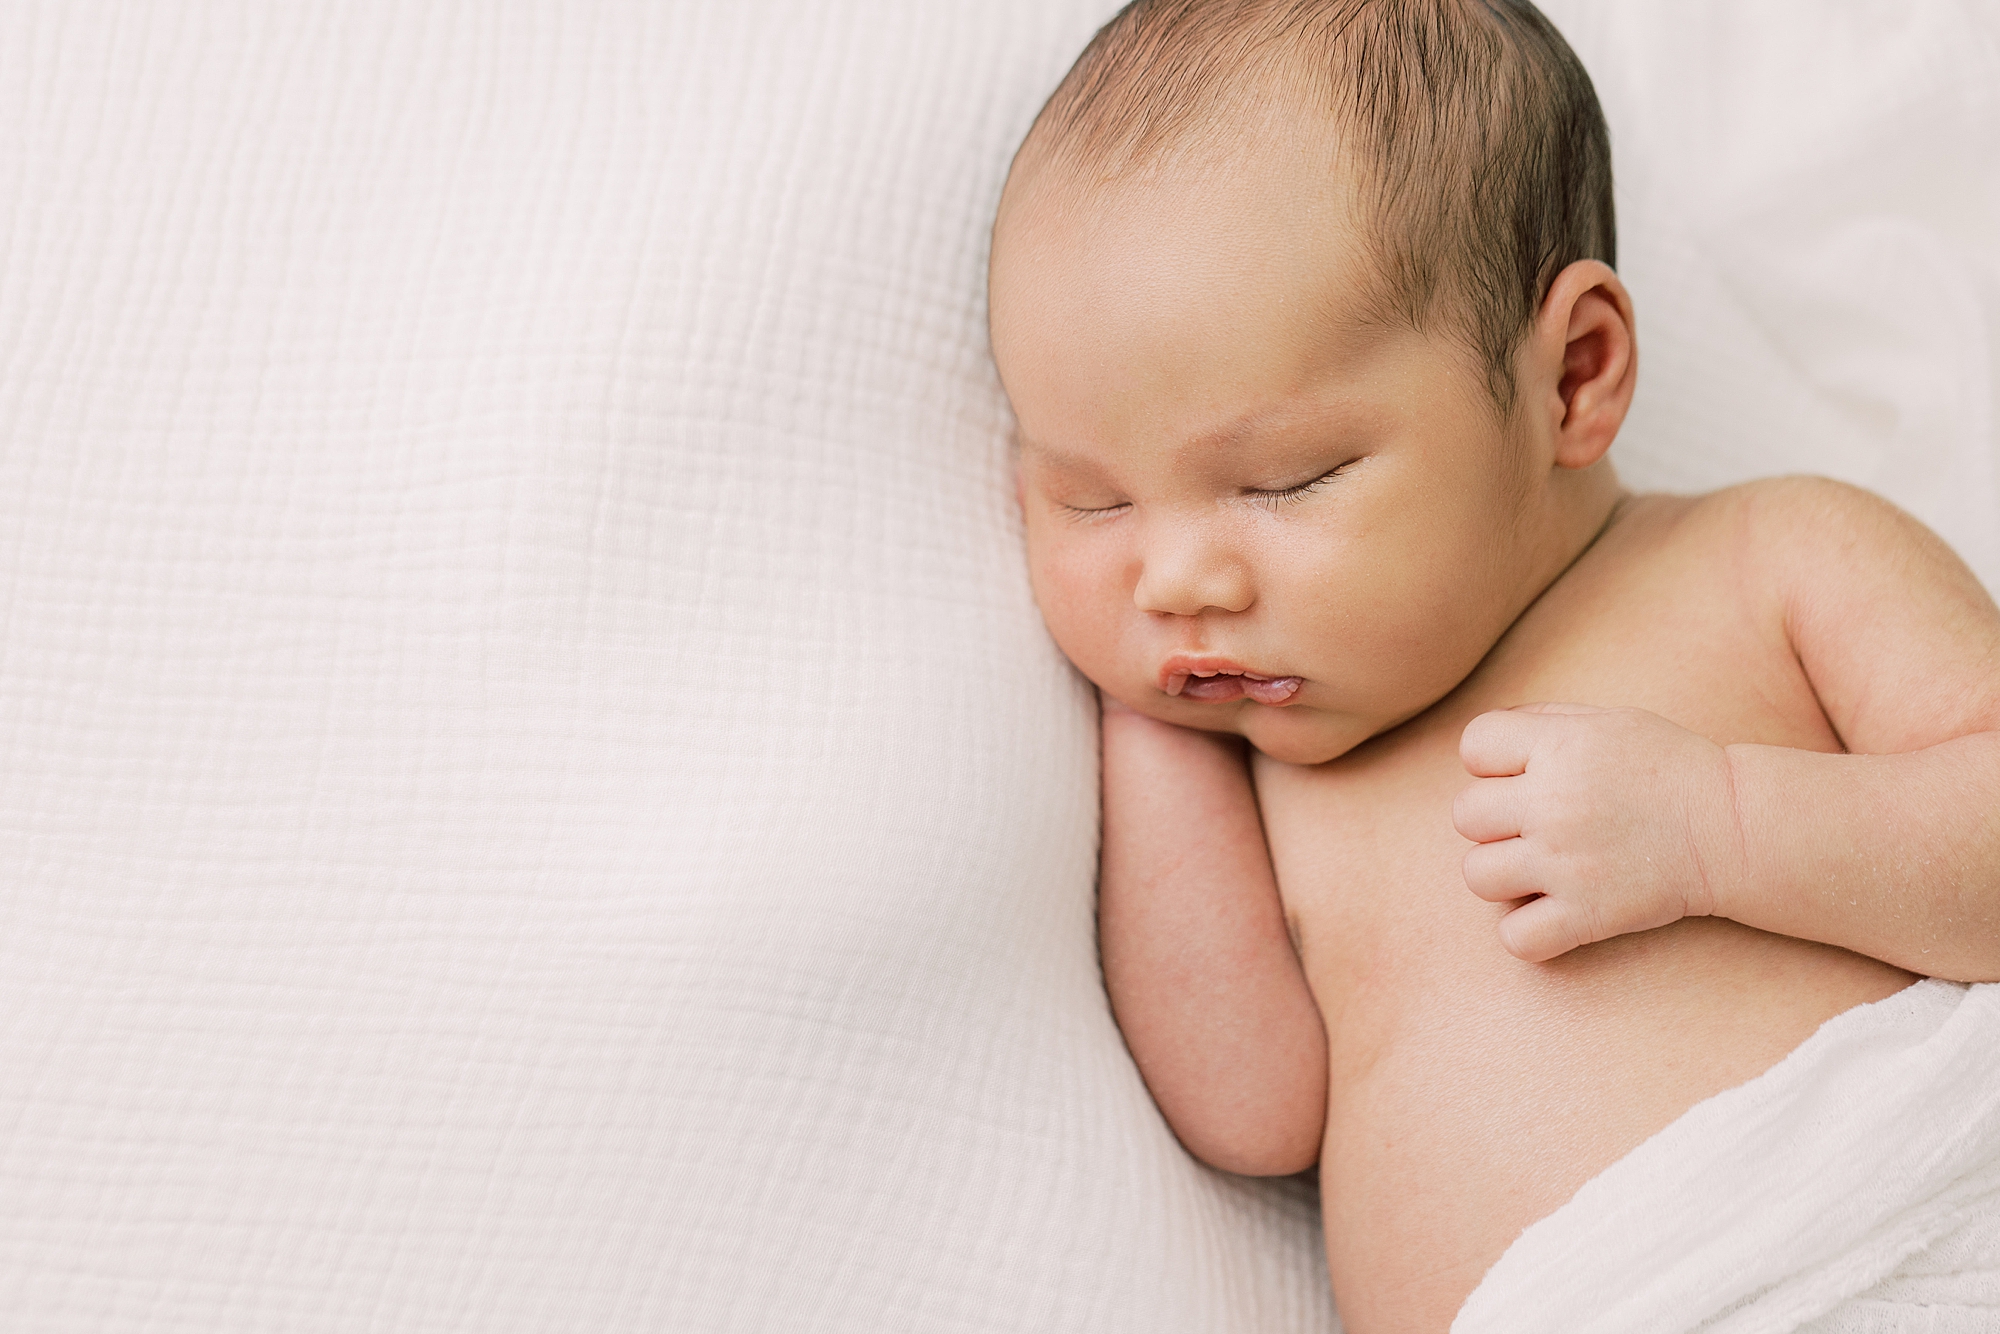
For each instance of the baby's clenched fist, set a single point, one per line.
(1593, 823)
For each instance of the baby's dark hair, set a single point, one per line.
(1485, 156)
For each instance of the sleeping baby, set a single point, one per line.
(1468, 819)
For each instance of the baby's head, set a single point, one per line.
(1306, 312)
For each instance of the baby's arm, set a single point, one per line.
(1201, 970)
(1623, 821)
(1893, 850)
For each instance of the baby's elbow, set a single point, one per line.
(1257, 1113)
(1251, 1158)
(1279, 1147)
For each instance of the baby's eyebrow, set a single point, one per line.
(1048, 453)
(1271, 421)
(1255, 422)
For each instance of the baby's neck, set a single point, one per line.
(1578, 508)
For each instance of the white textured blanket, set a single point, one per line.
(534, 798)
(1853, 1187)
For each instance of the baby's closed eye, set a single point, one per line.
(1278, 495)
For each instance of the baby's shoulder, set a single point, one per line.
(1834, 563)
(1797, 532)
(1804, 499)
(1897, 637)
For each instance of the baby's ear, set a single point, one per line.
(1587, 360)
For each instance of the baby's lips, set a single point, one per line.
(1221, 686)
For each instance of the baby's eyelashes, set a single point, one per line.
(1269, 496)
(1279, 495)
(1092, 514)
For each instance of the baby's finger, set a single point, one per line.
(1491, 808)
(1496, 744)
(1542, 929)
(1549, 706)
(1502, 872)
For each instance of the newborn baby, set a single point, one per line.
(1563, 809)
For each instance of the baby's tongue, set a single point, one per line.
(1213, 689)
(1278, 691)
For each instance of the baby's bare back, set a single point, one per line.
(1470, 1093)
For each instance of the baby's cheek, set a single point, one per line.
(1091, 629)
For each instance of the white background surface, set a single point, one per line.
(1809, 217)
(534, 795)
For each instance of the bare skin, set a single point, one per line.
(1754, 790)
(1472, 1092)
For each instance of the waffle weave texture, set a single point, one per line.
(533, 793)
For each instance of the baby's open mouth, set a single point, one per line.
(1221, 687)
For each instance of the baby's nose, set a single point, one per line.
(1184, 575)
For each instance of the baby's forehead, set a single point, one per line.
(1206, 262)
(1233, 427)
(1270, 206)
(1465, 136)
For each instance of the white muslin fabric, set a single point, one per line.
(1853, 1187)
(533, 793)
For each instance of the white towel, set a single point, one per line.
(1855, 1186)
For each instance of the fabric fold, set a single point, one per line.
(1853, 1184)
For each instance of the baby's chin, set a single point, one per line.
(1301, 736)
(1291, 735)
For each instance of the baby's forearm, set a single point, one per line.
(1892, 856)
(1197, 958)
